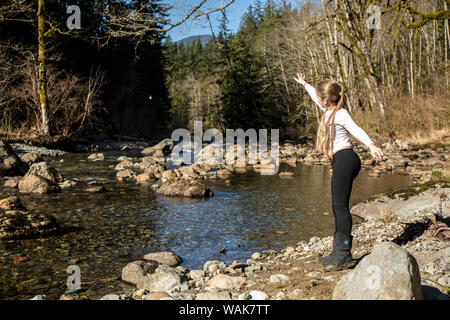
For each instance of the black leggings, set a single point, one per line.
(346, 166)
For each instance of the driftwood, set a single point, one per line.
(131, 138)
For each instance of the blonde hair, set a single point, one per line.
(333, 92)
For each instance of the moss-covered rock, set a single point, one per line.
(408, 191)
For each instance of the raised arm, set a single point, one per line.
(344, 118)
(310, 89)
(312, 93)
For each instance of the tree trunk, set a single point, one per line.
(42, 69)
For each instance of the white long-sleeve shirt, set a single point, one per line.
(343, 125)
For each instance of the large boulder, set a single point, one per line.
(165, 146)
(16, 223)
(10, 163)
(151, 276)
(181, 187)
(41, 178)
(388, 273)
(168, 258)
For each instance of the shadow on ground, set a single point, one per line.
(432, 293)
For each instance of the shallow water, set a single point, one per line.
(102, 232)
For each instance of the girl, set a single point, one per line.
(333, 140)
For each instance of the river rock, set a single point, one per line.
(168, 258)
(252, 269)
(157, 295)
(10, 163)
(125, 175)
(11, 203)
(388, 147)
(110, 297)
(19, 224)
(96, 157)
(13, 182)
(68, 184)
(208, 264)
(287, 174)
(96, 189)
(388, 273)
(188, 171)
(41, 297)
(403, 145)
(147, 161)
(150, 276)
(36, 184)
(196, 274)
(127, 163)
(41, 178)
(253, 295)
(224, 173)
(165, 146)
(145, 178)
(182, 187)
(256, 256)
(31, 158)
(278, 278)
(222, 281)
(168, 174)
(155, 169)
(69, 297)
(309, 159)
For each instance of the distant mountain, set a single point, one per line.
(203, 38)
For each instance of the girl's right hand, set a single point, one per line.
(300, 79)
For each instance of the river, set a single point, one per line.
(102, 232)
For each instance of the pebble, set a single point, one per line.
(278, 278)
(41, 297)
(253, 295)
(256, 256)
(110, 297)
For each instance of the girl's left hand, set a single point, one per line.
(300, 79)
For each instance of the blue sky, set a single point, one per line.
(201, 26)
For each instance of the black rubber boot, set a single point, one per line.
(329, 258)
(340, 258)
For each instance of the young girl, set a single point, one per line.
(333, 140)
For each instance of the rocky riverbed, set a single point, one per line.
(293, 273)
(412, 241)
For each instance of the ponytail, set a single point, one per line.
(333, 92)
